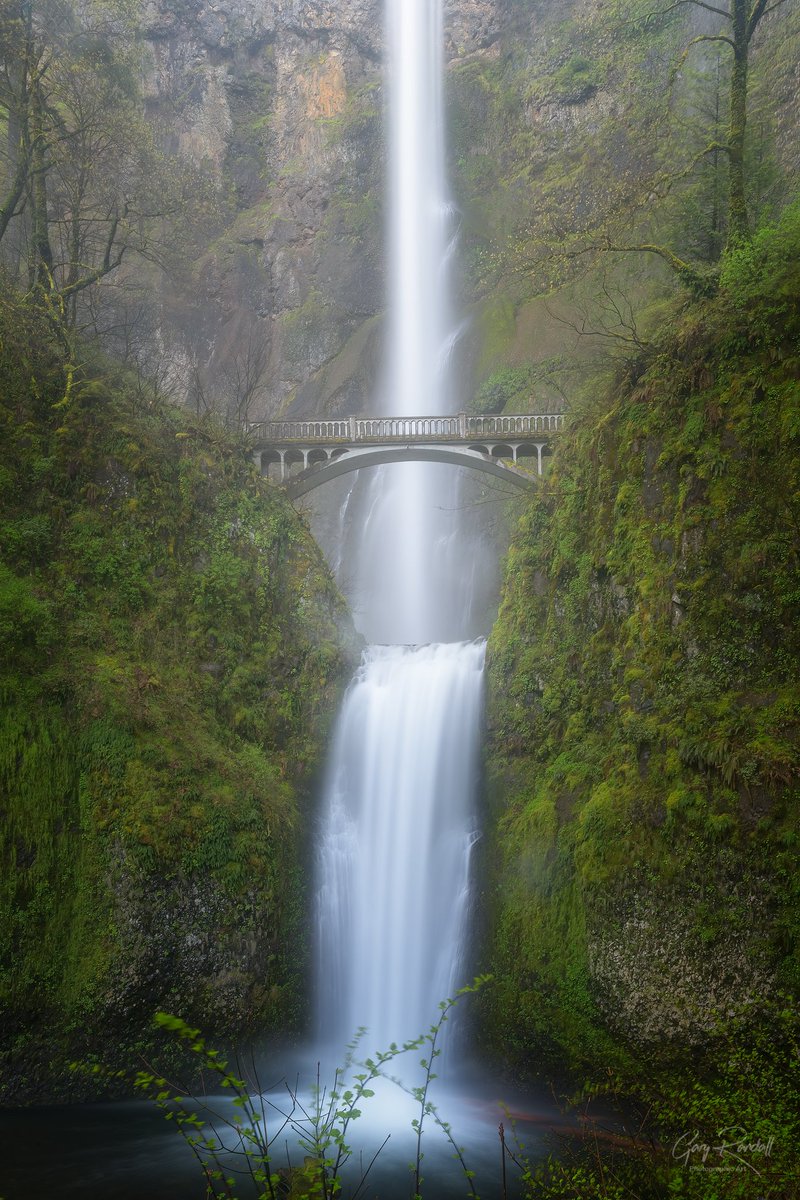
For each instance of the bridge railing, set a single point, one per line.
(296, 431)
(514, 425)
(378, 429)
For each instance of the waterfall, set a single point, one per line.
(395, 846)
(398, 820)
(420, 211)
(409, 586)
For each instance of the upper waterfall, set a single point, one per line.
(409, 587)
(420, 212)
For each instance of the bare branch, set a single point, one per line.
(760, 10)
(698, 3)
(107, 265)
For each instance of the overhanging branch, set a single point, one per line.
(697, 3)
(698, 282)
(761, 9)
(707, 37)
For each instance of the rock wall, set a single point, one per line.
(172, 651)
(283, 103)
(555, 116)
(644, 755)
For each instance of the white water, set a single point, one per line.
(395, 847)
(399, 817)
(420, 210)
(409, 589)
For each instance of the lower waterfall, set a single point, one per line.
(398, 826)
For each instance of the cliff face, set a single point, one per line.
(280, 101)
(557, 122)
(171, 652)
(284, 102)
(644, 757)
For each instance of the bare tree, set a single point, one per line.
(244, 378)
(82, 178)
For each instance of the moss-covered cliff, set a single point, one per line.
(644, 705)
(171, 647)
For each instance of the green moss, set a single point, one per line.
(496, 329)
(171, 655)
(574, 82)
(644, 755)
(508, 388)
(314, 332)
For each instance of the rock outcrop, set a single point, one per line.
(284, 105)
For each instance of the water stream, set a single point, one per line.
(399, 818)
(395, 848)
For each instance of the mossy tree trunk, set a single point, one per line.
(15, 99)
(41, 267)
(743, 18)
(738, 219)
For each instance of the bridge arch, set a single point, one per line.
(353, 460)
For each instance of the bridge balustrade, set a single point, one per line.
(301, 430)
(371, 429)
(515, 425)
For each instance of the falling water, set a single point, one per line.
(409, 587)
(396, 841)
(399, 811)
(420, 211)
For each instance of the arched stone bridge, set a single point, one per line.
(306, 454)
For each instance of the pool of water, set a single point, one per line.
(126, 1150)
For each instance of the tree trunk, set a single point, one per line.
(738, 220)
(18, 58)
(41, 250)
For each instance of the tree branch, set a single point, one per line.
(664, 186)
(697, 282)
(698, 3)
(702, 37)
(760, 10)
(707, 37)
(9, 208)
(106, 266)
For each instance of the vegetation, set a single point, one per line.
(741, 20)
(84, 183)
(645, 718)
(172, 646)
(237, 1146)
(591, 160)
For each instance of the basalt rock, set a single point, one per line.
(284, 105)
